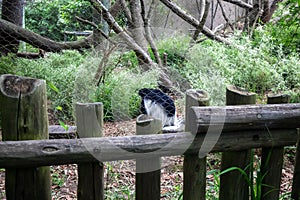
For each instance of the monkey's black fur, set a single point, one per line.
(159, 105)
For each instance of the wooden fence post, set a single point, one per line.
(272, 160)
(24, 117)
(233, 186)
(296, 178)
(89, 121)
(194, 168)
(147, 182)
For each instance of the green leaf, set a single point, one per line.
(59, 108)
(53, 87)
(66, 127)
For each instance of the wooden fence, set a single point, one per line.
(27, 153)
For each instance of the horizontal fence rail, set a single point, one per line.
(245, 117)
(62, 151)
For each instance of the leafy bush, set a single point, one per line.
(209, 66)
(59, 70)
(52, 18)
(119, 94)
(285, 31)
(7, 64)
(259, 66)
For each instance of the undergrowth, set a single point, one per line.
(255, 64)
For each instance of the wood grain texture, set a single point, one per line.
(233, 186)
(23, 107)
(246, 117)
(148, 169)
(64, 151)
(194, 168)
(89, 120)
(272, 160)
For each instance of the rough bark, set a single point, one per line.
(38, 41)
(269, 11)
(12, 11)
(62, 151)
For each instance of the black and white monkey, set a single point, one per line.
(158, 105)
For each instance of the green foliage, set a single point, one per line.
(59, 71)
(129, 59)
(175, 48)
(286, 31)
(259, 66)
(254, 66)
(58, 179)
(7, 64)
(52, 18)
(119, 94)
(122, 191)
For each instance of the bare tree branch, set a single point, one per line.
(148, 32)
(147, 61)
(118, 29)
(191, 20)
(40, 41)
(93, 25)
(224, 15)
(268, 12)
(240, 3)
(115, 8)
(137, 24)
(205, 4)
(101, 68)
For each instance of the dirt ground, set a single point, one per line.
(120, 175)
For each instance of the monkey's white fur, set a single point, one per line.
(157, 111)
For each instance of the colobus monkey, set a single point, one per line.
(158, 105)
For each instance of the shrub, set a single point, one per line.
(284, 31)
(119, 93)
(58, 69)
(52, 18)
(8, 64)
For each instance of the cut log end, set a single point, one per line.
(240, 91)
(13, 86)
(198, 95)
(278, 98)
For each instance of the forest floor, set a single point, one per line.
(120, 175)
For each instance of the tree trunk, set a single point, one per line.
(269, 10)
(12, 11)
(137, 29)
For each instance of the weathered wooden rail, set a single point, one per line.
(234, 130)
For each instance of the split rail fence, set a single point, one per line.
(235, 130)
